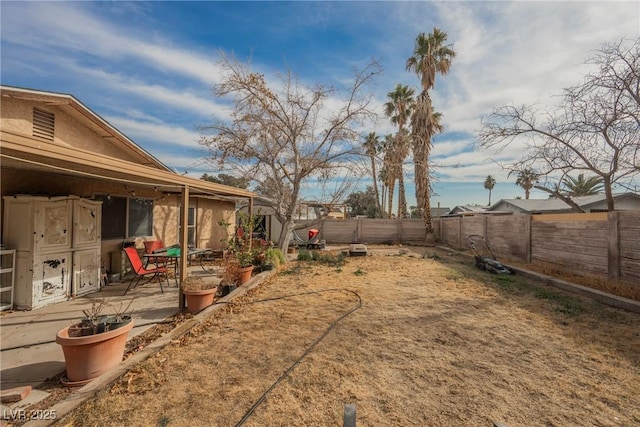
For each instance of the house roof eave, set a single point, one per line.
(20, 152)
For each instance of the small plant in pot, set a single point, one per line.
(95, 322)
(269, 258)
(95, 344)
(229, 279)
(199, 293)
(274, 258)
(240, 245)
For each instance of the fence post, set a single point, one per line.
(486, 226)
(527, 239)
(460, 218)
(399, 230)
(613, 261)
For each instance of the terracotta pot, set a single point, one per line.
(245, 274)
(90, 356)
(199, 300)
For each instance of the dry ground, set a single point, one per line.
(435, 342)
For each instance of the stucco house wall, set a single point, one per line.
(17, 116)
(78, 127)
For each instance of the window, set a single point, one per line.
(140, 217)
(114, 216)
(117, 212)
(191, 226)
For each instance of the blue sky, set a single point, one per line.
(149, 67)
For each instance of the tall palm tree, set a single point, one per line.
(526, 179)
(399, 109)
(581, 186)
(390, 167)
(372, 146)
(489, 183)
(431, 56)
(382, 176)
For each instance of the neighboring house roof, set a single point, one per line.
(22, 151)
(467, 209)
(439, 211)
(553, 204)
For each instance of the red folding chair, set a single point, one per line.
(141, 270)
(151, 246)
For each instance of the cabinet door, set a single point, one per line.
(53, 226)
(51, 278)
(86, 272)
(87, 220)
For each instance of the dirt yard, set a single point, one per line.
(411, 340)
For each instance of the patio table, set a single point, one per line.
(175, 255)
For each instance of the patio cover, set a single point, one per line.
(17, 151)
(32, 156)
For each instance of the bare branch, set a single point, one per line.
(595, 129)
(284, 134)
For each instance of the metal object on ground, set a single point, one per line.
(484, 257)
(357, 249)
(349, 415)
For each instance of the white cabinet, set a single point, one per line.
(7, 278)
(52, 226)
(87, 218)
(51, 278)
(57, 243)
(86, 271)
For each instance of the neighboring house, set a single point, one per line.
(464, 210)
(438, 212)
(267, 225)
(595, 203)
(52, 145)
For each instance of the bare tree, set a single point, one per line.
(283, 138)
(595, 129)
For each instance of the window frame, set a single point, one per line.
(125, 233)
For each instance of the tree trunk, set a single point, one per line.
(383, 201)
(285, 235)
(402, 197)
(392, 184)
(608, 193)
(375, 185)
(428, 223)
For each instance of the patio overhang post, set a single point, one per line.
(184, 240)
(250, 209)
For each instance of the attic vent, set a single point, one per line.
(43, 124)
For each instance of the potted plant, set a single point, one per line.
(95, 344)
(240, 245)
(274, 258)
(199, 294)
(270, 258)
(229, 280)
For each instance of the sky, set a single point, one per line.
(149, 68)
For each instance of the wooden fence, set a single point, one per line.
(605, 245)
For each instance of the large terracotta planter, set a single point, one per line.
(90, 356)
(199, 300)
(244, 274)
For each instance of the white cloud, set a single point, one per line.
(159, 134)
(157, 86)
